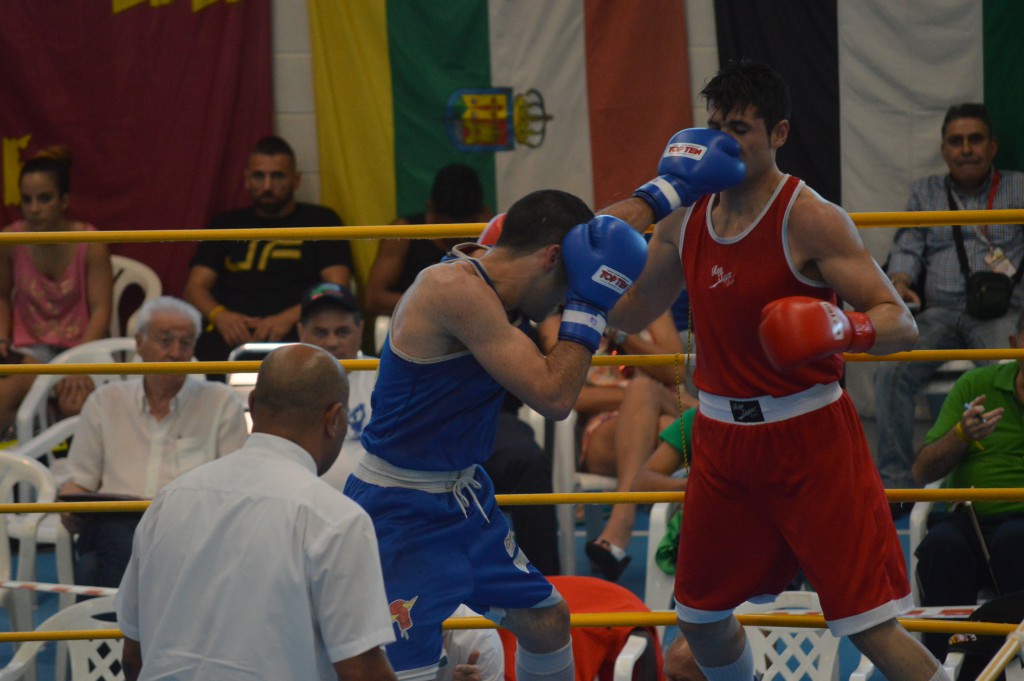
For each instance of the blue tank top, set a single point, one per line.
(437, 415)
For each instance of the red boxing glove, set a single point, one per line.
(492, 231)
(798, 329)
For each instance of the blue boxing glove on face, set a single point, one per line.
(602, 258)
(697, 161)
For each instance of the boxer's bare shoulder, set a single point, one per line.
(443, 303)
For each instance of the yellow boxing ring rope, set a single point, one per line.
(599, 619)
(1011, 648)
(469, 230)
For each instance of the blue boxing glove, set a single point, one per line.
(602, 259)
(697, 161)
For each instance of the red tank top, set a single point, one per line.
(729, 282)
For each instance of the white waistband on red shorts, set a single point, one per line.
(749, 411)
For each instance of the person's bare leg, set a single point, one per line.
(680, 664)
(897, 654)
(13, 389)
(721, 649)
(544, 650)
(636, 434)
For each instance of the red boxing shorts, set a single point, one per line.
(787, 483)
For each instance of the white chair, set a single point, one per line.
(792, 654)
(628, 658)
(918, 529)
(14, 601)
(658, 586)
(243, 383)
(128, 273)
(91, 660)
(33, 414)
(20, 466)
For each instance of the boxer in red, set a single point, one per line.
(782, 477)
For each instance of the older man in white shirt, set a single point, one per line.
(136, 436)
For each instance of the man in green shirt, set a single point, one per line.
(977, 441)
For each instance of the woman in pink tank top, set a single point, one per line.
(52, 296)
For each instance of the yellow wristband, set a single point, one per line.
(962, 436)
(213, 314)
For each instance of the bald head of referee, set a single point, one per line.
(301, 395)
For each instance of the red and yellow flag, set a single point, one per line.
(158, 100)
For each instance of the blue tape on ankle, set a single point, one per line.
(742, 669)
(542, 664)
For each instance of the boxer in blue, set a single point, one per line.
(454, 348)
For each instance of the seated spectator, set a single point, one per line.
(52, 296)
(331, 320)
(456, 196)
(968, 147)
(594, 649)
(137, 435)
(247, 290)
(667, 470)
(623, 409)
(975, 442)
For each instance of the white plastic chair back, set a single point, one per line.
(20, 467)
(792, 654)
(128, 273)
(628, 657)
(32, 414)
(565, 478)
(658, 586)
(244, 382)
(91, 660)
(15, 601)
(918, 526)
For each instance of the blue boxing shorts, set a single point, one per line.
(443, 541)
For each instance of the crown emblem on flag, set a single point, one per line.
(495, 119)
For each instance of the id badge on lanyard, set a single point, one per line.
(995, 258)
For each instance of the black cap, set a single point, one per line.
(327, 293)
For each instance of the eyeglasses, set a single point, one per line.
(167, 342)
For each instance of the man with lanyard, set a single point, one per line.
(968, 148)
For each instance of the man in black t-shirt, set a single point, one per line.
(247, 290)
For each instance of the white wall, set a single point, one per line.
(703, 42)
(294, 106)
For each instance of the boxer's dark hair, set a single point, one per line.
(968, 110)
(744, 83)
(542, 218)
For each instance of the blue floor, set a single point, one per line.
(632, 579)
